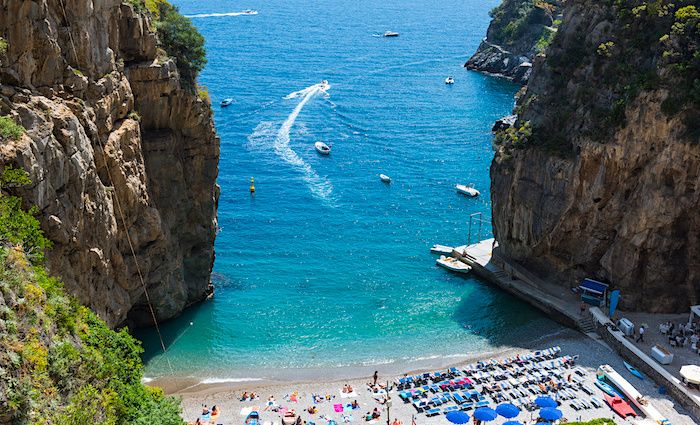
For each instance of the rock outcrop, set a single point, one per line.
(518, 32)
(600, 175)
(114, 143)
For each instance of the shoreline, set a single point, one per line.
(188, 384)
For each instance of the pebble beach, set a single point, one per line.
(226, 396)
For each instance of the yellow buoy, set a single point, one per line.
(252, 185)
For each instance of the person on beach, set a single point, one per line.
(205, 409)
(375, 377)
(245, 396)
(270, 403)
(355, 405)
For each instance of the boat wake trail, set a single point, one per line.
(216, 15)
(319, 186)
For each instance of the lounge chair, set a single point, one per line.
(596, 402)
(433, 412)
(449, 409)
(458, 398)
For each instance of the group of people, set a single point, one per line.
(249, 397)
(208, 416)
(678, 334)
(375, 414)
(347, 389)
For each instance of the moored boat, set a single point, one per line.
(322, 148)
(633, 370)
(385, 178)
(449, 80)
(453, 264)
(226, 102)
(620, 406)
(467, 190)
(441, 249)
(391, 34)
(606, 388)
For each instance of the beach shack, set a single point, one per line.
(593, 292)
(694, 313)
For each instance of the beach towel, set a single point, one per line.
(347, 395)
(338, 408)
(246, 411)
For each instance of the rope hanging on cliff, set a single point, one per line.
(133, 254)
(121, 215)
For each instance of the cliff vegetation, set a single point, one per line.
(60, 363)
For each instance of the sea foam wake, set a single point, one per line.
(267, 132)
(216, 15)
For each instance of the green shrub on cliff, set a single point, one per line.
(180, 39)
(60, 363)
(9, 129)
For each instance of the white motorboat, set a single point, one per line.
(324, 85)
(467, 190)
(322, 148)
(250, 12)
(226, 102)
(449, 80)
(441, 249)
(453, 264)
(385, 178)
(391, 34)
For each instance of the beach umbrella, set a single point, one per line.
(691, 373)
(457, 417)
(512, 423)
(485, 414)
(543, 401)
(550, 414)
(507, 410)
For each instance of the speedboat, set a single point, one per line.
(620, 406)
(449, 80)
(322, 148)
(467, 190)
(324, 85)
(391, 34)
(441, 249)
(250, 12)
(453, 264)
(226, 102)
(385, 178)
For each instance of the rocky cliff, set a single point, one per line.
(600, 175)
(519, 30)
(116, 144)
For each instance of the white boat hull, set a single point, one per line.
(466, 190)
(385, 178)
(322, 148)
(441, 249)
(453, 264)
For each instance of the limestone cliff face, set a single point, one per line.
(512, 38)
(596, 179)
(110, 127)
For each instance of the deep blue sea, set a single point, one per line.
(326, 266)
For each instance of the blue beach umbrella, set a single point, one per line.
(543, 401)
(512, 423)
(550, 414)
(485, 414)
(457, 417)
(507, 410)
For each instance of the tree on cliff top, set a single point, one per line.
(180, 39)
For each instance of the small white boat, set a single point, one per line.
(322, 148)
(453, 264)
(391, 34)
(449, 80)
(385, 178)
(324, 85)
(441, 249)
(467, 190)
(250, 12)
(226, 102)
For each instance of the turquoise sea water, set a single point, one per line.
(326, 265)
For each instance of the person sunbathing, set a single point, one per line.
(205, 409)
(345, 389)
(312, 410)
(245, 396)
(375, 413)
(355, 405)
(350, 389)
